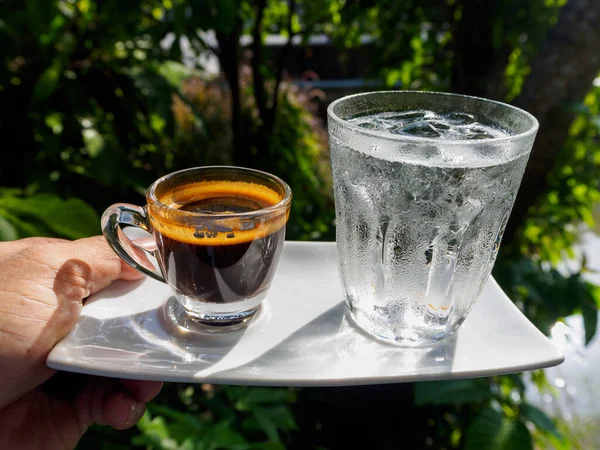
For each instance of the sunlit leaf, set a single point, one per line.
(70, 218)
(94, 142)
(154, 432)
(7, 230)
(539, 418)
(190, 420)
(27, 226)
(174, 73)
(491, 430)
(57, 23)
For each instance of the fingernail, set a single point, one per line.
(134, 415)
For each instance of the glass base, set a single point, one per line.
(414, 337)
(185, 323)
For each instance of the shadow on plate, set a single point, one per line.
(331, 347)
(143, 341)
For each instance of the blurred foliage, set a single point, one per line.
(101, 98)
(553, 226)
(208, 417)
(229, 417)
(104, 109)
(43, 214)
(547, 295)
(499, 416)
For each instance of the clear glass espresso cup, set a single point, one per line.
(218, 234)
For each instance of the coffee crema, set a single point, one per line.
(210, 256)
(215, 200)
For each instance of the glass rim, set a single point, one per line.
(151, 194)
(380, 134)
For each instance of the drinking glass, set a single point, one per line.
(421, 205)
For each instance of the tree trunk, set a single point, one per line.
(562, 74)
(478, 66)
(228, 58)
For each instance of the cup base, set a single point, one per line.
(185, 323)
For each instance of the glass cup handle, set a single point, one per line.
(130, 252)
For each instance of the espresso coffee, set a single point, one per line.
(213, 258)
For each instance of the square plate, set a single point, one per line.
(300, 337)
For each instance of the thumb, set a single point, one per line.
(86, 266)
(57, 278)
(79, 269)
(43, 287)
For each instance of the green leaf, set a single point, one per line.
(174, 73)
(10, 192)
(592, 290)
(265, 422)
(185, 418)
(71, 218)
(224, 436)
(7, 230)
(47, 82)
(539, 418)
(155, 433)
(450, 392)
(271, 420)
(94, 142)
(189, 444)
(28, 228)
(55, 25)
(590, 322)
(574, 294)
(491, 430)
(263, 396)
(517, 381)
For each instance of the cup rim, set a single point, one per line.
(531, 131)
(152, 198)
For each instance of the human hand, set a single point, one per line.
(43, 283)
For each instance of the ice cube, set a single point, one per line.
(458, 118)
(409, 116)
(369, 125)
(418, 129)
(439, 125)
(476, 133)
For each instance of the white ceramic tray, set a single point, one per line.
(301, 337)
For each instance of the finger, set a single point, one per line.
(106, 402)
(142, 391)
(121, 411)
(12, 247)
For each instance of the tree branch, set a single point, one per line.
(562, 73)
(228, 59)
(281, 65)
(257, 76)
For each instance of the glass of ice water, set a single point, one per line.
(424, 184)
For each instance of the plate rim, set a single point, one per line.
(55, 361)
